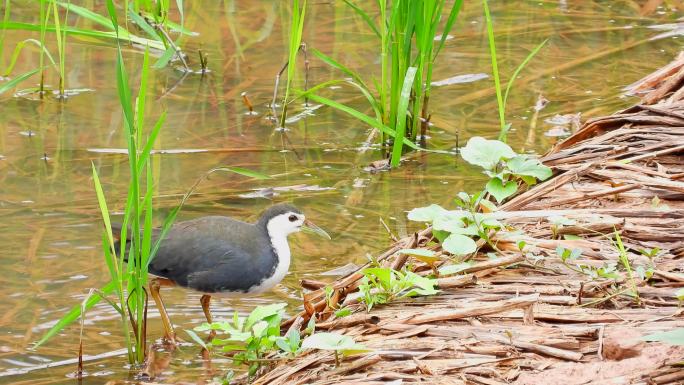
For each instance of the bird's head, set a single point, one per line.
(284, 219)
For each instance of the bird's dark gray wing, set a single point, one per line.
(213, 254)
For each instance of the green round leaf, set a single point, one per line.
(523, 165)
(449, 220)
(486, 153)
(501, 190)
(458, 244)
(426, 214)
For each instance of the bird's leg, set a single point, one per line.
(205, 300)
(155, 285)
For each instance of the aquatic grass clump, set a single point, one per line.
(294, 47)
(407, 31)
(155, 24)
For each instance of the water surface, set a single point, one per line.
(50, 228)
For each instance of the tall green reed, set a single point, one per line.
(44, 17)
(5, 19)
(60, 34)
(502, 96)
(406, 30)
(294, 46)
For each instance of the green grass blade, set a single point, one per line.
(111, 9)
(453, 15)
(402, 109)
(142, 96)
(104, 35)
(13, 83)
(362, 117)
(147, 150)
(74, 314)
(495, 70)
(339, 66)
(365, 17)
(102, 203)
(522, 65)
(88, 14)
(19, 48)
(164, 58)
(143, 24)
(124, 94)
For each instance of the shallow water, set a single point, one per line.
(49, 226)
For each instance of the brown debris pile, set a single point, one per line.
(526, 317)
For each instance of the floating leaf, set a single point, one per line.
(458, 244)
(501, 190)
(486, 153)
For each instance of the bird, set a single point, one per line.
(222, 256)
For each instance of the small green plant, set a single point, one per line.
(650, 253)
(382, 285)
(557, 223)
(622, 254)
(458, 230)
(336, 342)
(502, 97)
(503, 166)
(568, 257)
(406, 32)
(250, 339)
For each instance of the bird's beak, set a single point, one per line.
(311, 228)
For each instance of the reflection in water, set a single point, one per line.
(50, 232)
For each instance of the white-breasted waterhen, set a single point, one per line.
(222, 256)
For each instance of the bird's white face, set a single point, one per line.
(285, 224)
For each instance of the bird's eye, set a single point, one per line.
(292, 218)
